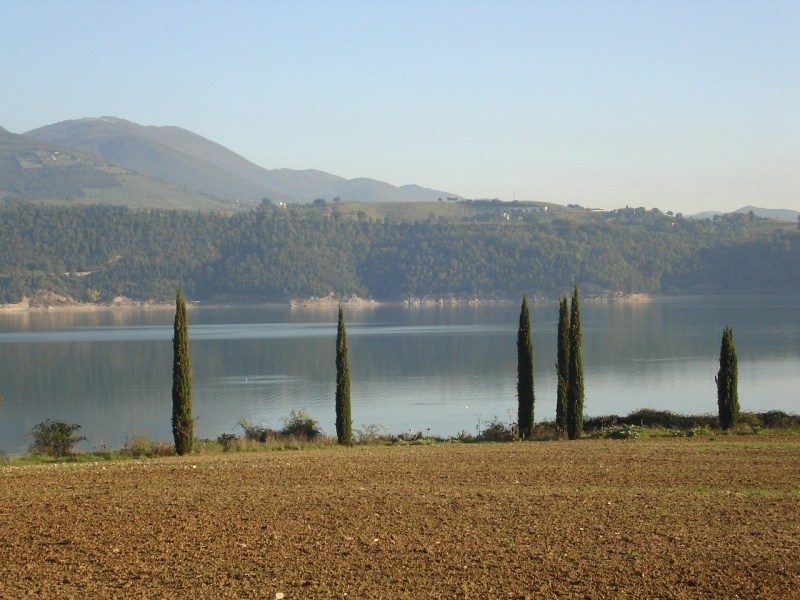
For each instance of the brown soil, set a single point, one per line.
(662, 518)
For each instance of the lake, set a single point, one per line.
(435, 369)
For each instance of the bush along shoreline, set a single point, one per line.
(56, 441)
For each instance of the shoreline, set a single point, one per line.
(61, 304)
(55, 303)
(52, 303)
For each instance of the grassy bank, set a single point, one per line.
(303, 432)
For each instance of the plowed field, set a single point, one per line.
(657, 518)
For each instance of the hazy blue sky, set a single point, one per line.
(680, 105)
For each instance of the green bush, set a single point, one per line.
(651, 418)
(696, 431)
(301, 425)
(777, 419)
(497, 431)
(618, 432)
(748, 420)
(54, 438)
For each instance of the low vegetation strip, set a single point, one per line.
(660, 517)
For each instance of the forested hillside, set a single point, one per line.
(486, 250)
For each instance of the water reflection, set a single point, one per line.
(441, 368)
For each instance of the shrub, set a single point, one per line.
(54, 438)
(497, 431)
(618, 432)
(696, 431)
(546, 430)
(137, 445)
(254, 432)
(748, 420)
(161, 448)
(409, 436)
(463, 436)
(226, 440)
(647, 417)
(371, 434)
(777, 419)
(301, 425)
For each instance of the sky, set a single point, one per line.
(684, 106)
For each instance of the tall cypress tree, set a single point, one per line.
(562, 364)
(182, 421)
(344, 421)
(728, 381)
(575, 392)
(525, 396)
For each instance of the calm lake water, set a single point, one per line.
(439, 370)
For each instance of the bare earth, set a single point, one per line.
(658, 518)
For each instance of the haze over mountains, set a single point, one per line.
(186, 159)
(108, 160)
(780, 214)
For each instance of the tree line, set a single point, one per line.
(96, 253)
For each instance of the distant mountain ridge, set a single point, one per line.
(126, 163)
(780, 214)
(31, 169)
(178, 156)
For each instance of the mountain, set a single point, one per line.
(31, 169)
(186, 159)
(779, 214)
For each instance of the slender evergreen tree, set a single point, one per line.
(525, 395)
(727, 381)
(182, 420)
(575, 392)
(562, 364)
(344, 420)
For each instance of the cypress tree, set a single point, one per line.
(525, 396)
(575, 392)
(727, 381)
(182, 421)
(562, 364)
(344, 421)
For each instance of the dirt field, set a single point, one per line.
(664, 518)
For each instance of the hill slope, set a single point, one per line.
(187, 159)
(35, 170)
(780, 214)
(279, 254)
